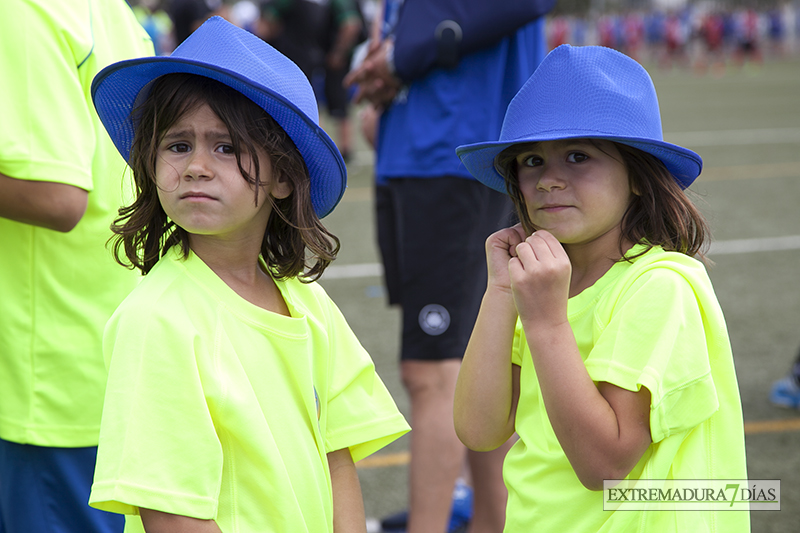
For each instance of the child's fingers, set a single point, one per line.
(542, 256)
(515, 268)
(500, 248)
(540, 241)
(513, 238)
(526, 253)
(547, 246)
(516, 236)
(535, 249)
(506, 239)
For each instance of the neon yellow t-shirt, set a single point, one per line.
(216, 408)
(657, 324)
(57, 290)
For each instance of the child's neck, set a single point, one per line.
(590, 263)
(240, 269)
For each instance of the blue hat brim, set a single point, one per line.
(118, 89)
(479, 158)
(584, 92)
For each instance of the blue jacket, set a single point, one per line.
(438, 33)
(444, 106)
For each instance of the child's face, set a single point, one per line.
(576, 189)
(201, 187)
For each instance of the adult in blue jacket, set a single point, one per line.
(442, 73)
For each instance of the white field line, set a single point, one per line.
(737, 246)
(747, 246)
(361, 270)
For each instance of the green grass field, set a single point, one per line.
(746, 126)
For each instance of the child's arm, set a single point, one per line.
(603, 429)
(348, 504)
(487, 390)
(158, 522)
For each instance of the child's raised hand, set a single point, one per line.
(540, 276)
(500, 248)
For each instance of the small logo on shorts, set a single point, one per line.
(434, 319)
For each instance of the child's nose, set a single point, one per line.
(550, 177)
(200, 165)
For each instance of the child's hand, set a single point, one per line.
(540, 276)
(500, 248)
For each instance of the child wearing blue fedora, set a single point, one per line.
(238, 398)
(600, 340)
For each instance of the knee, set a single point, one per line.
(430, 378)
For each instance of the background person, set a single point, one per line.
(60, 187)
(188, 15)
(319, 36)
(785, 392)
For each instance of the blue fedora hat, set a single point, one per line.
(237, 58)
(584, 92)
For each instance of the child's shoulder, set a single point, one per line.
(311, 296)
(163, 292)
(169, 312)
(307, 289)
(658, 259)
(665, 271)
(312, 301)
(659, 284)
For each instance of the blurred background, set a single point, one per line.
(698, 34)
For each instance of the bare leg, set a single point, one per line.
(345, 137)
(437, 455)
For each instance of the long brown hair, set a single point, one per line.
(295, 241)
(660, 212)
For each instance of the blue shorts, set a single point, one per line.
(46, 490)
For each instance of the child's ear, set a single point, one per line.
(282, 187)
(635, 189)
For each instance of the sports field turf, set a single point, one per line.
(746, 126)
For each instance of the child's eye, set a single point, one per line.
(577, 157)
(225, 148)
(530, 160)
(179, 147)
